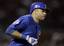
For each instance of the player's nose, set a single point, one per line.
(44, 13)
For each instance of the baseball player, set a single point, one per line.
(25, 30)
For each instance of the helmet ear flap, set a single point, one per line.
(37, 5)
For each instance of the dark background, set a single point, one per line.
(53, 32)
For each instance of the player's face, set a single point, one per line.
(40, 14)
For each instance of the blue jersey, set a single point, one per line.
(25, 25)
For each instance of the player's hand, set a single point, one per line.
(31, 40)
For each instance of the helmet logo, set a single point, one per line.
(36, 6)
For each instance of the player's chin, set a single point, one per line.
(43, 18)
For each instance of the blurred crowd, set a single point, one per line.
(53, 32)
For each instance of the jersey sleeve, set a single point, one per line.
(20, 23)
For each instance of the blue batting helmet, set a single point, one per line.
(37, 5)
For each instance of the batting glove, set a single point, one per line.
(31, 40)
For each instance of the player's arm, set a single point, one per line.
(16, 34)
(12, 31)
(31, 40)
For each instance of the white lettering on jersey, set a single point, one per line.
(16, 22)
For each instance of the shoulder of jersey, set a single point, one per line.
(26, 16)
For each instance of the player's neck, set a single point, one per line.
(35, 19)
